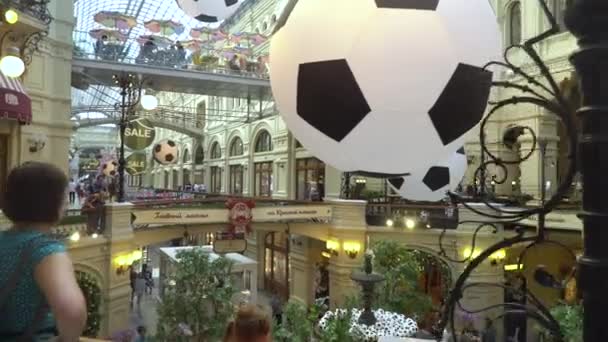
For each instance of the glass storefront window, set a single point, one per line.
(236, 179)
(263, 179)
(310, 179)
(216, 180)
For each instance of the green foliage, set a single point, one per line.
(570, 318)
(200, 298)
(338, 329)
(401, 291)
(297, 324)
(92, 294)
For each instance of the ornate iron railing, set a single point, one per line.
(35, 8)
(541, 91)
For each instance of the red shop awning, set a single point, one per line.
(15, 104)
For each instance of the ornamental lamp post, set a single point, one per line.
(587, 19)
(130, 86)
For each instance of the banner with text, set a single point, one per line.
(180, 216)
(203, 216)
(296, 212)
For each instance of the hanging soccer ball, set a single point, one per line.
(433, 183)
(166, 152)
(390, 96)
(109, 168)
(209, 11)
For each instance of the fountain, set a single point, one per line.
(367, 324)
(368, 280)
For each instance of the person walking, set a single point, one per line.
(140, 290)
(141, 334)
(39, 296)
(277, 308)
(72, 191)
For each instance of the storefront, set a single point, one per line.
(310, 179)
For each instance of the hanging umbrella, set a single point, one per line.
(255, 39)
(196, 45)
(229, 52)
(208, 34)
(113, 35)
(116, 20)
(165, 27)
(159, 41)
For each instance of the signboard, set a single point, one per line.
(179, 216)
(89, 164)
(240, 215)
(203, 216)
(301, 212)
(229, 243)
(139, 134)
(136, 163)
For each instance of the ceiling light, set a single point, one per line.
(11, 64)
(11, 16)
(75, 237)
(149, 102)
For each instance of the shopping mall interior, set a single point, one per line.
(280, 153)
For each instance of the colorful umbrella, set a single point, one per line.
(229, 52)
(117, 20)
(208, 34)
(196, 45)
(256, 39)
(159, 41)
(113, 35)
(164, 27)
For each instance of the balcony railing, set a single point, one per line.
(37, 9)
(130, 51)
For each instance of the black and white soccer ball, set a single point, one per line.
(433, 183)
(209, 11)
(110, 168)
(166, 152)
(390, 96)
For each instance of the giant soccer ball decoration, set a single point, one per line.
(166, 152)
(109, 168)
(390, 96)
(433, 183)
(209, 11)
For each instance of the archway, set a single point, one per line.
(417, 281)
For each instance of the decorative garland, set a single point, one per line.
(92, 294)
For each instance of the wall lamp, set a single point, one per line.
(332, 246)
(498, 257)
(123, 262)
(37, 142)
(351, 248)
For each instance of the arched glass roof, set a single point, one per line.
(142, 10)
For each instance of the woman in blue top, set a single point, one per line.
(39, 295)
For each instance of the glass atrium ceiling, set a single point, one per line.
(142, 10)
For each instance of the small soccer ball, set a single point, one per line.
(433, 183)
(390, 96)
(166, 152)
(209, 11)
(110, 168)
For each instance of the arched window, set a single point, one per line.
(263, 143)
(236, 147)
(186, 156)
(199, 156)
(273, 19)
(515, 24)
(216, 151)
